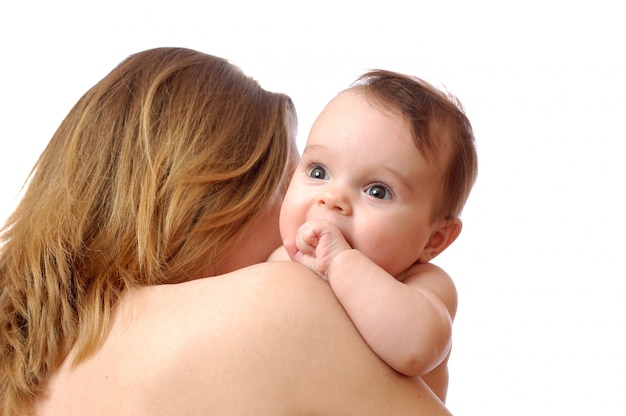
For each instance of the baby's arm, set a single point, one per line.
(408, 324)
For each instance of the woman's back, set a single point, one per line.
(171, 347)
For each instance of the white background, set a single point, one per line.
(539, 265)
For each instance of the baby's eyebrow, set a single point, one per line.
(402, 179)
(313, 148)
(314, 151)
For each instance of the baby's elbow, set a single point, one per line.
(412, 366)
(423, 362)
(431, 350)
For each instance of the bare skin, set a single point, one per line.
(170, 351)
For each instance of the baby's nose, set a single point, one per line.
(335, 200)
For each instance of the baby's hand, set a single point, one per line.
(316, 245)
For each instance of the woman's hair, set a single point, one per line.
(157, 171)
(441, 131)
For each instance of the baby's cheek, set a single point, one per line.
(285, 223)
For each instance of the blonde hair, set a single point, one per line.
(441, 131)
(159, 169)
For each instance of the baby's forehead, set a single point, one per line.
(361, 93)
(431, 136)
(354, 109)
(351, 102)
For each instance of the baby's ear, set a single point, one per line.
(446, 232)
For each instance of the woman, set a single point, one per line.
(169, 170)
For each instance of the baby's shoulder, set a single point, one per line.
(432, 278)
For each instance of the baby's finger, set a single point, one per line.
(307, 238)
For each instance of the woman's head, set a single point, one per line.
(164, 164)
(157, 175)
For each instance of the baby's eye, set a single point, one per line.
(379, 192)
(317, 172)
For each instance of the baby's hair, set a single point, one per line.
(441, 131)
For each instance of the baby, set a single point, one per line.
(385, 173)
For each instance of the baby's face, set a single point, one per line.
(361, 171)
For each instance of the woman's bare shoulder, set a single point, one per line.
(274, 334)
(284, 322)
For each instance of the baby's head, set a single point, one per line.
(441, 131)
(390, 162)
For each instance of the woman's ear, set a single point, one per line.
(444, 235)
